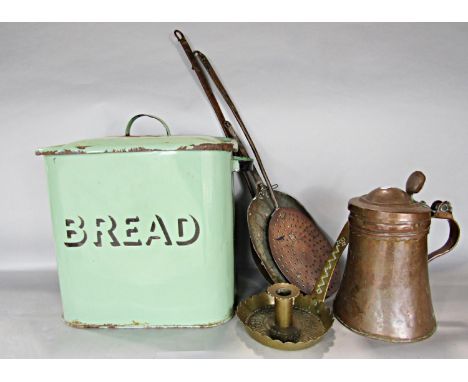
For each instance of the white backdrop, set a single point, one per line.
(335, 109)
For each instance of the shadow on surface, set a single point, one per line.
(315, 351)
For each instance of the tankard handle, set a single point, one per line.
(443, 210)
(133, 119)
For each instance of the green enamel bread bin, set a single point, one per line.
(143, 229)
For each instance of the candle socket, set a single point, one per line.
(282, 329)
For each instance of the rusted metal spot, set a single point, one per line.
(136, 324)
(229, 147)
(82, 325)
(208, 147)
(60, 152)
(131, 150)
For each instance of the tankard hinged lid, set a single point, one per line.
(393, 199)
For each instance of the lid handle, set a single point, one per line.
(415, 182)
(133, 119)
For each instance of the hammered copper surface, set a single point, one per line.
(299, 248)
(385, 291)
(385, 288)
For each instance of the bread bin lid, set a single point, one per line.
(141, 144)
(133, 144)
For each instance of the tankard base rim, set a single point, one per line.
(381, 337)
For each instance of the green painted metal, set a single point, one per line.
(143, 238)
(143, 143)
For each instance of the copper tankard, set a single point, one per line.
(385, 291)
